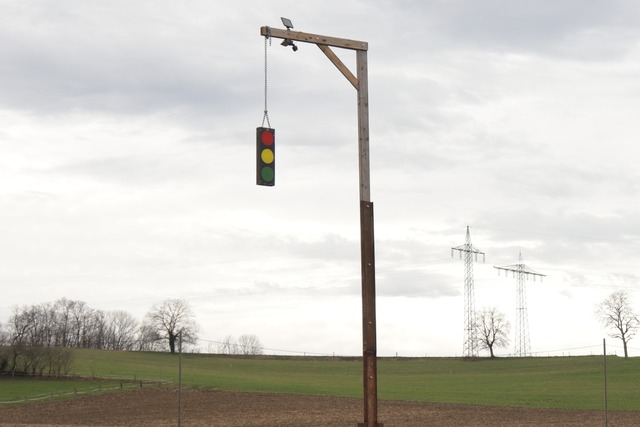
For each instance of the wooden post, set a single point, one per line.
(180, 379)
(363, 124)
(606, 397)
(369, 344)
(361, 83)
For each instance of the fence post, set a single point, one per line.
(606, 398)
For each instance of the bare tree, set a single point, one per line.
(616, 314)
(63, 308)
(172, 317)
(40, 333)
(27, 338)
(492, 329)
(249, 344)
(21, 325)
(227, 346)
(148, 337)
(120, 330)
(4, 336)
(80, 312)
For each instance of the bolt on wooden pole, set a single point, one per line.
(361, 83)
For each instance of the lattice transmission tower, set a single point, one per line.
(469, 347)
(522, 346)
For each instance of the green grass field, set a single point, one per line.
(559, 382)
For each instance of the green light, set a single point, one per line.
(267, 174)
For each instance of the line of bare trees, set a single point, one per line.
(34, 339)
(73, 324)
(246, 345)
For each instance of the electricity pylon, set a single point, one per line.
(469, 347)
(522, 346)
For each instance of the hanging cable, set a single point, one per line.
(266, 111)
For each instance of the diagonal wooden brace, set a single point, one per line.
(339, 64)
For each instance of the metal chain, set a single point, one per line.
(266, 113)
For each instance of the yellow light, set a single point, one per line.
(267, 156)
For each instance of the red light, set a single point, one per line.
(267, 137)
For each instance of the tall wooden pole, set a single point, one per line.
(369, 340)
(361, 84)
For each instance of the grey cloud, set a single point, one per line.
(90, 58)
(546, 27)
(560, 238)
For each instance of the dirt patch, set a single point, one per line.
(213, 408)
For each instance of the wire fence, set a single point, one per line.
(115, 384)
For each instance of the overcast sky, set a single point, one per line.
(127, 174)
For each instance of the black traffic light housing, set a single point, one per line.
(265, 156)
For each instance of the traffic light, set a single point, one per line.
(265, 156)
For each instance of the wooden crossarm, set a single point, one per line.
(314, 38)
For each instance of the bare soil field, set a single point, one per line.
(213, 408)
